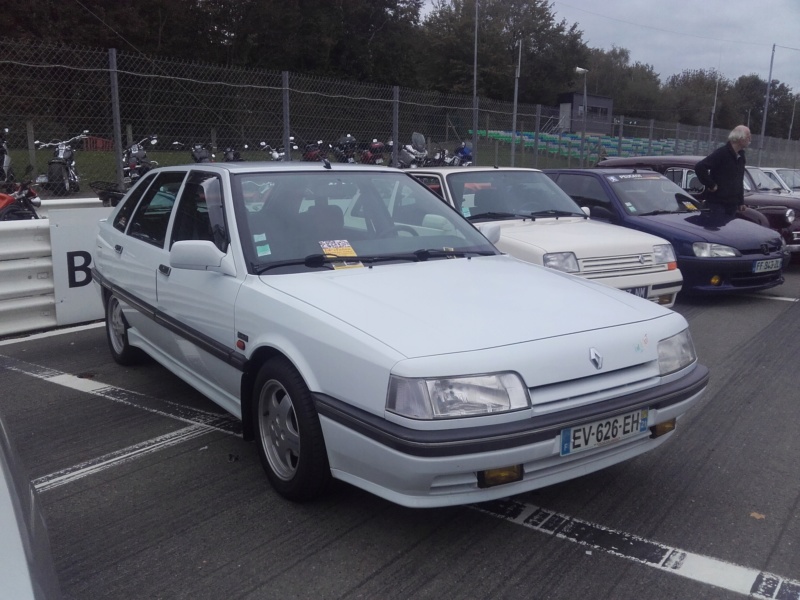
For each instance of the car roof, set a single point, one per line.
(472, 169)
(278, 166)
(672, 160)
(607, 171)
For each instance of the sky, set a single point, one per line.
(735, 37)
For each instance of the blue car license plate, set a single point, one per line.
(637, 291)
(591, 435)
(762, 266)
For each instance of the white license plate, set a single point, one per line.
(762, 266)
(600, 433)
(378, 161)
(41, 179)
(637, 291)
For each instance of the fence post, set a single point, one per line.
(395, 124)
(650, 137)
(677, 136)
(287, 144)
(129, 135)
(619, 141)
(112, 65)
(521, 144)
(32, 149)
(536, 136)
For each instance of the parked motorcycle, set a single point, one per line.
(20, 204)
(231, 154)
(278, 153)
(135, 162)
(373, 153)
(62, 175)
(413, 155)
(462, 156)
(202, 153)
(345, 149)
(6, 172)
(315, 151)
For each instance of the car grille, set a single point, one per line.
(607, 266)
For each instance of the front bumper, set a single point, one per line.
(429, 468)
(735, 274)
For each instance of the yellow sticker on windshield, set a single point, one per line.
(340, 248)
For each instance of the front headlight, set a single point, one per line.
(790, 215)
(664, 254)
(676, 352)
(561, 261)
(706, 250)
(451, 397)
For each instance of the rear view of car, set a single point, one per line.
(715, 255)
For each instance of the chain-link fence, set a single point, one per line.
(54, 92)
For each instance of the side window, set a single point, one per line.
(124, 213)
(675, 176)
(433, 183)
(151, 218)
(693, 185)
(200, 214)
(585, 190)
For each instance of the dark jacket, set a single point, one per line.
(725, 169)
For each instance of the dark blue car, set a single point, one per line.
(715, 255)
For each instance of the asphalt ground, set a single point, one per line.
(149, 491)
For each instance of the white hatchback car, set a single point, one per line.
(541, 224)
(364, 331)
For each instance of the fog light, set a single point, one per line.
(492, 477)
(662, 428)
(665, 299)
(716, 280)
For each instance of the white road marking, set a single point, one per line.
(117, 458)
(704, 569)
(53, 333)
(768, 297)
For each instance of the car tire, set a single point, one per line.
(288, 433)
(117, 335)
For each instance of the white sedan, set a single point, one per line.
(541, 224)
(364, 331)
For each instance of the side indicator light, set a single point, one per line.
(662, 428)
(493, 477)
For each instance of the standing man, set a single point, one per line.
(722, 172)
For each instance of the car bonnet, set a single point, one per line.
(586, 238)
(448, 306)
(699, 227)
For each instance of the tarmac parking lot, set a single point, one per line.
(149, 491)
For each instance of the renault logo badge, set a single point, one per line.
(596, 358)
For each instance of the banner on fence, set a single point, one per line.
(72, 236)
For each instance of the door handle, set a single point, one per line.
(118, 249)
(164, 270)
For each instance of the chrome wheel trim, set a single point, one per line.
(280, 434)
(116, 326)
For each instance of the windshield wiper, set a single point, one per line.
(492, 215)
(317, 261)
(659, 211)
(556, 213)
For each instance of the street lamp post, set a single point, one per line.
(514, 116)
(766, 107)
(475, 92)
(791, 122)
(582, 71)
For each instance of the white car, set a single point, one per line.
(787, 179)
(543, 225)
(404, 355)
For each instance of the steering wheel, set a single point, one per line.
(398, 227)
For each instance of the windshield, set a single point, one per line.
(650, 194)
(508, 194)
(791, 177)
(345, 219)
(763, 182)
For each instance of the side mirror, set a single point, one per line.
(491, 232)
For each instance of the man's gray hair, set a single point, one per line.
(739, 133)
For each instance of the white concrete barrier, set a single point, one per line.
(45, 278)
